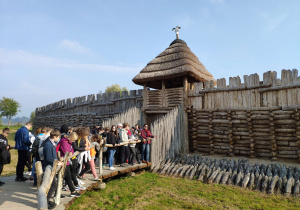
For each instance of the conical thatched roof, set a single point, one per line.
(173, 63)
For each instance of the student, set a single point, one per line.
(65, 145)
(3, 147)
(83, 146)
(22, 145)
(124, 151)
(147, 136)
(35, 152)
(49, 151)
(111, 139)
(132, 156)
(95, 145)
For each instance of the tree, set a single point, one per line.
(115, 88)
(32, 116)
(9, 108)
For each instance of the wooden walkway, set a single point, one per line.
(23, 196)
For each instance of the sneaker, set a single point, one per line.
(123, 165)
(147, 162)
(112, 168)
(80, 182)
(23, 179)
(97, 179)
(80, 188)
(2, 183)
(75, 194)
(51, 205)
(66, 188)
(143, 161)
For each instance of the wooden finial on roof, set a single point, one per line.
(176, 31)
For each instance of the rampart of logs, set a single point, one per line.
(272, 179)
(260, 132)
(87, 110)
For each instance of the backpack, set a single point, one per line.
(41, 149)
(5, 157)
(35, 147)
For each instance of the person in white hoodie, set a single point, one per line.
(124, 150)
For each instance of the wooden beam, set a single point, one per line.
(145, 96)
(163, 93)
(185, 90)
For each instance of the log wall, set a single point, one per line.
(87, 110)
(255, 118)
(170, 136)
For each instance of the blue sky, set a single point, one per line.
(53, 50)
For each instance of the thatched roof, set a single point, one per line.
(173, 63)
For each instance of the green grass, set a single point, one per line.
(151, 191)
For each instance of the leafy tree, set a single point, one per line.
(115, 88)
(9, 108)
(32, 116)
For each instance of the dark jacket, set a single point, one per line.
(22, 139)
(49, 151)
(3, 143)
(80, 147)
(111, 139)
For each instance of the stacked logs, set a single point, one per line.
(220, 131)
(285, 132)
(258, 132)
(271, 179)
(260, 120)
(240, 130)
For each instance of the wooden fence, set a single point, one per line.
(171, 136)
(132, 116)
(252, 93)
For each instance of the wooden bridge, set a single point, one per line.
(23, 196)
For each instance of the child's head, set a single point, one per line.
(106, 129)
(5, 132)
(49, 129)
(73, 136)
(96, 138)
(83, 132)
(44, 130)
(100, 130)
(55, 135)
(126, 126)
(38, 131)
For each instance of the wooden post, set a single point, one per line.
(45, 187)
(100, 161)
(145, 96)
(163, 93)
(39, 173)
(60, 179)
(185, 90)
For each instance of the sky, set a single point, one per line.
(54, 50)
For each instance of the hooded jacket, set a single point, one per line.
(65, 145)
(22, 139)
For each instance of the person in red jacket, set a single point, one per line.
(147, 136)
(65, 145)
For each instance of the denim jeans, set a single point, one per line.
(145, 152)
(111, 154)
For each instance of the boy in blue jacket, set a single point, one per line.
(22, 145)
(49, 151)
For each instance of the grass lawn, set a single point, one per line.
(10, 169)
(151, 191)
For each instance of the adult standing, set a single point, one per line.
(22, 145)
(147, 136)
(124, 150)
(111, 139)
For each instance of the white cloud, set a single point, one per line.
(73, 46)
(25, 59)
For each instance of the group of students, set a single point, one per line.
(124, 145)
